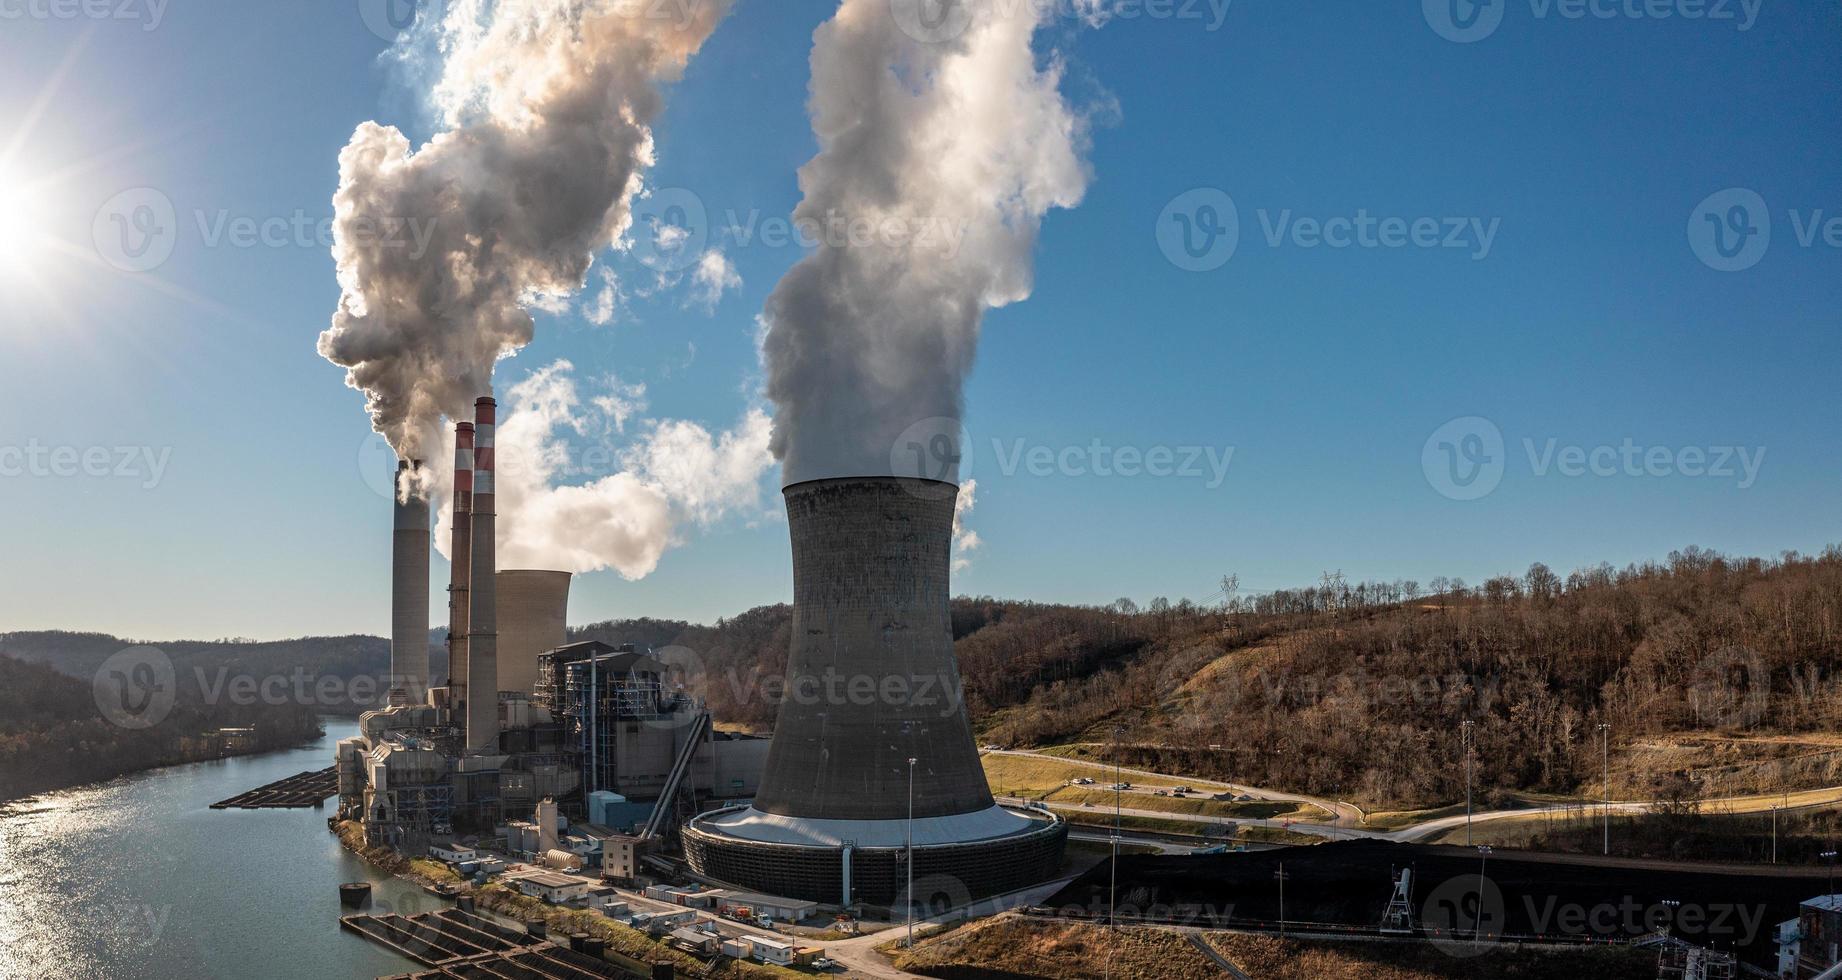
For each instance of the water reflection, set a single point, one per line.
(137, 877)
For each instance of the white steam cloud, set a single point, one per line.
(870, 336)
(674, 474)
(547, 106)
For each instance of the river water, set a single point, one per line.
(138, 877)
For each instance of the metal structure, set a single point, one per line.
(533, 608)
(409, 590)
(482, 699)
(1398, 917)
(872, 682)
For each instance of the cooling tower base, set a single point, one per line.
(957, 858)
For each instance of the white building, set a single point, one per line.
(447, 850)
(773, 950)
(553, 888)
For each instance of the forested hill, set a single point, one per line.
(1721, 671)
(53, 735)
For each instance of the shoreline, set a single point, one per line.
(36, 792)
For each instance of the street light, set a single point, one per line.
(1466, 739)
(1672, 905)
(1830, 856)
(1477, 924)
(1281, 875)
(1605, 758)
(911, 853)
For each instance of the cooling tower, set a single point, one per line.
(460, 555)
(533, 609)
(483, 632)
(409, 591)
(872, 683)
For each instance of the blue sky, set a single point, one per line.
(1588, 146)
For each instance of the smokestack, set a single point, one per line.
(409, 590)
(461, 554)
(533, 612)
(483, 635)
(870, 566)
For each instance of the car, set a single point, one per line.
(822, 964)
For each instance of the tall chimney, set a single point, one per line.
(483, 635)
(409, 590)
(461, 554)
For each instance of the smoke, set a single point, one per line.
(547, 106)
(871, 336)
(674, 474)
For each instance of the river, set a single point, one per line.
(138, 877)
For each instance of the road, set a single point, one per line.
(1349, 821)
(859, 957)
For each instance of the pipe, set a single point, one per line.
(483, 636)
(409, 590)
(461, 555)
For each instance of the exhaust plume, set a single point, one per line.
(872, 335)
(585, 509)
(547, 106)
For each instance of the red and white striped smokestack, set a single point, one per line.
(483, 638)
(409, 590)
(461, 554)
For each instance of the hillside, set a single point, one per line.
(52, 736)
(1715, 675)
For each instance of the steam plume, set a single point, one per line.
(636, 501)
(548, 106)
(870, 335)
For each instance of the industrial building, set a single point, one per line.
(526, 717)
(853, 783)
(830, 810)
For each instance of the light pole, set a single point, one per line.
(1281, 875)
(1774, 833)
(1672, 905)
(1466, 739)
(1477, 924)
(1830, 856)
(1112, 908)
(911, 853)
(1605, 759)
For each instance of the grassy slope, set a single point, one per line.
(1013, 948)
(1271, 958)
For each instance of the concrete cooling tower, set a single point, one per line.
(872, 683)
(533, 611)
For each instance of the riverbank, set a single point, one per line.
(18, 785)
(188, 891)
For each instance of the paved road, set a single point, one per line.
(1348, 822)
(859, 957)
